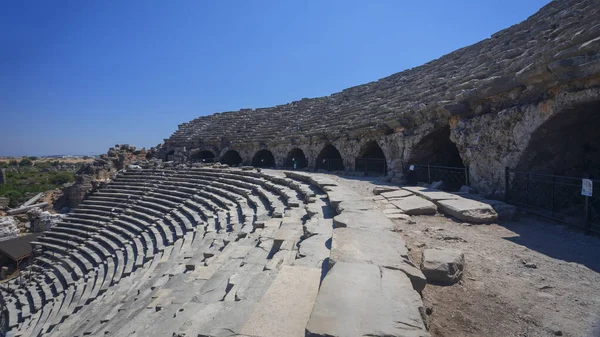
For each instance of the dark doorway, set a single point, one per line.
(263, 158)
(437, 149)
(436, 158)
(203, 157)
(371, 159)
(330, 159)
(231, 158)
(296, 155)
(170, 155)
(568, 144)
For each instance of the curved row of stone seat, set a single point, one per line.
(217, 266)
(87, 247)
(60, 246)
(209, 253)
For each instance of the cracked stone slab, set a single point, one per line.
(379, 189)
(338, 194)
(468, 210)
(414, 205)
(431, 194)
(313, 251)
(363, 219)
(354, 205)
(396, 194)
(281, 311)
(379, 247)
(358, 299)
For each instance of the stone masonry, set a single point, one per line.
(498, 97)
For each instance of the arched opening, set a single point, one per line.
(568, 144)
(203, 157)
(231, 158)
(436, 149)
(436, 158)
(296, 156)
(263, 158)
(371, 159)
(564, 149)
(329, 159)
(170, 155)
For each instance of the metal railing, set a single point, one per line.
(452, 176)
(555, 197)
(330, 164)
(205, 160)
(371, 165)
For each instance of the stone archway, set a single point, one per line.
(436, 158)
(205, 156)
(567, 144)
(371, 159)
(329, 159)
(263, 158)
(169, 156)
(296, 155)
(436, 149)
(231, 158)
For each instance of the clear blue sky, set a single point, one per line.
(77, 77)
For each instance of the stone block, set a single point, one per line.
(363, 300)
(285, 308)
(468, 210)
(443, 266)
(363, 219)
(414, 205)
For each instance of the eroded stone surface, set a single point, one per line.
(468, 210)
(443, 266)
(362, 219)
(285, 308)
(414, 205)
(366, 297)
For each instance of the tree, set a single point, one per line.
(33, 158)
(25, 162)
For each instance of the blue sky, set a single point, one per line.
(77, 77)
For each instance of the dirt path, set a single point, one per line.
(499, 295)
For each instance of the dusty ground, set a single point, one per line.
(499, 295)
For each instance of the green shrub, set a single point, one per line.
(25, 162)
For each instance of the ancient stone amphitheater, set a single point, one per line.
(508, 101)
(231, 252)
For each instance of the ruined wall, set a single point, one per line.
(492, 95)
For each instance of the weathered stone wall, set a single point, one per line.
(2, 176)
(493, 95)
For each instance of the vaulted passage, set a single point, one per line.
(436, 149)
(296, 156)
(169, 156)
(263, 158)
(436, 158)
(329, 159)
(231, 158)
(568, 144)
(203, 157)
(371, 159)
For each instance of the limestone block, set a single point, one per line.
(443, 266)
(468, 210)
(364, 300)
(414, 205)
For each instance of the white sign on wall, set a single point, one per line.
(587, 187)
(412, 167)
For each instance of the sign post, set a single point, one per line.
(587, 189)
